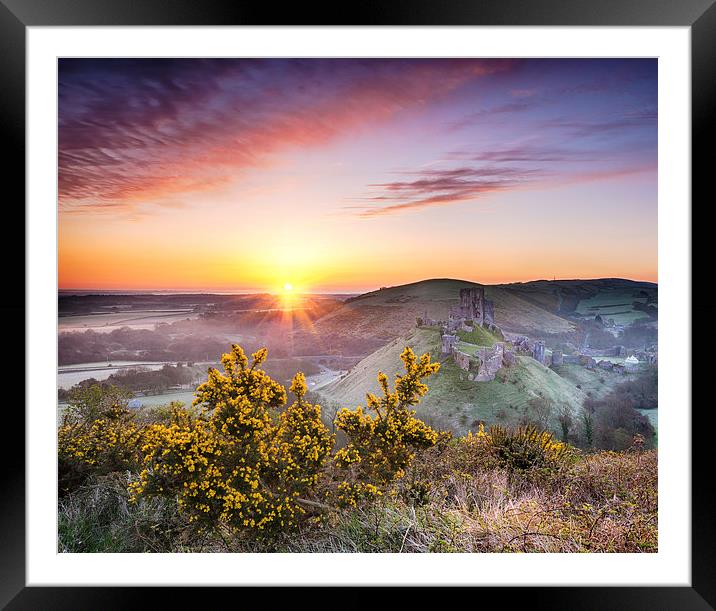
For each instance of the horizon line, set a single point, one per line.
(340, 290)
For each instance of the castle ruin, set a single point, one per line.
(474, 308)
(480, 362)
(449, 343)
(483, 363)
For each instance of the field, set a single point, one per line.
(69, 375)
(567, 297)
(478, 336)
(595, 382)
(616, 305)
(105, 322)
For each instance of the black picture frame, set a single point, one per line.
(17, 15)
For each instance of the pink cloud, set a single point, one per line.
(134, 132)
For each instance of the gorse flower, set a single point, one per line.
(96, 438)
(382, 445)
(239, 463)
(247, 461)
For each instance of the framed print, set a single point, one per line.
(367, 303)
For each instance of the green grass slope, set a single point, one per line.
(453, 401)
(479, 336)
(596, 383)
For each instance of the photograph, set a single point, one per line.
(357, 305)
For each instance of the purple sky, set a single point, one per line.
(350, 174)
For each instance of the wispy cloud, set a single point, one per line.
(134, 131)
(524, 153)
(442, 187)
(494, 170)
(636, 119)
(490, 114)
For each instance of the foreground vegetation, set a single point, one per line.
(241, 471)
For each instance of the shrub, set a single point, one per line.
(239, 463)
(380, 447)
(88, 402)
(528, 449)
(98, 435)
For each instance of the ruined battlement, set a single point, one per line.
(483, 364)
(449, 343)
(473, 307)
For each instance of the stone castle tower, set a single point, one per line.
(473, 306)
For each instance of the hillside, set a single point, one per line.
(610, 297)
(381, 316)
(544, 309)
(456, 403)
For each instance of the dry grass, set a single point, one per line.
(605, 503)
(452, 500)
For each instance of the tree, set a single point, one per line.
(539, 412)
(588, 410)
(90, 401)
(564, 417)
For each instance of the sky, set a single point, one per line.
(344, 175)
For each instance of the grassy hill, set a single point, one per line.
(610, 297)
(542, 308)
(456, 403)
(383, 315)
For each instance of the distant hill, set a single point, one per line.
(456, 403)
(610, 297)
(378, 317)
(543, 308)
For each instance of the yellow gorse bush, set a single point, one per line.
(382, 445)
(240, 463)
(104, 444)
(527, 448)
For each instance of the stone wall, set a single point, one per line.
(491, 361)
(484, 364)
(522, 343)
(425, 321)
(489, 312)
(449, 343)
(462, 359)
